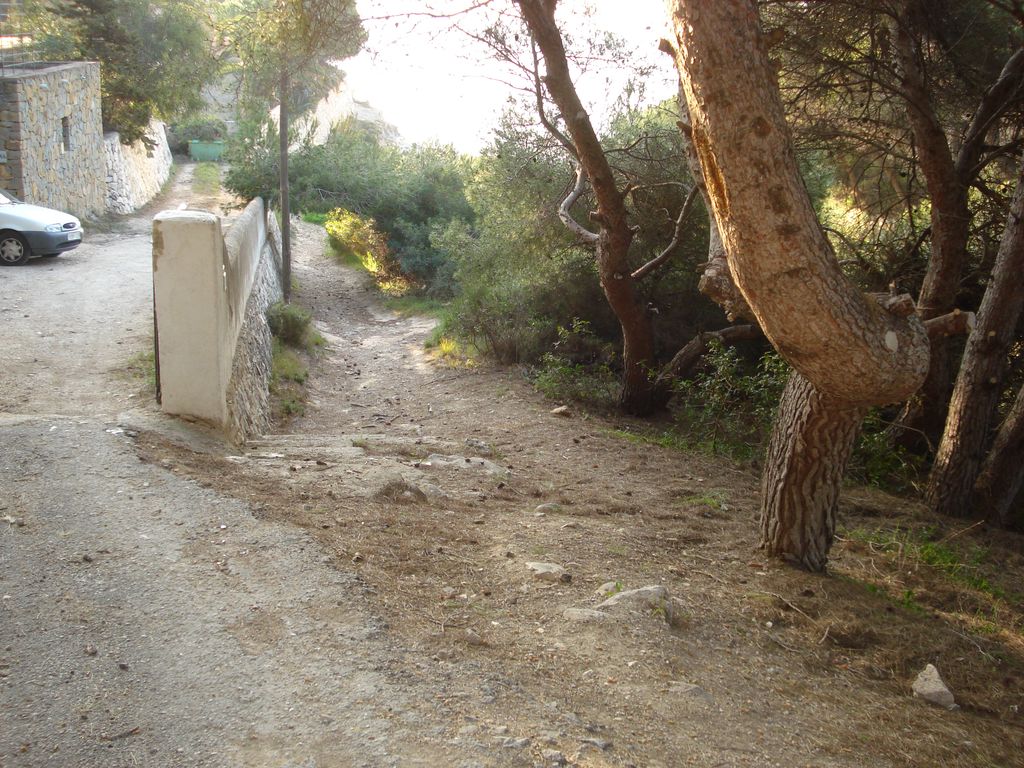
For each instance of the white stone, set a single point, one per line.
(549, 572)
(929, 686)
(653, 599)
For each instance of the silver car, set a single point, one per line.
(31, 230)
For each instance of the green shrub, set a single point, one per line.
(200, 128)
(289, 323)
(878, 460)
(578, 368)
(356, 238)
(729, 406)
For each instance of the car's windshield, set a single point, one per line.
(6, 198)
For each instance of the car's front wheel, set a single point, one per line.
(14, 249)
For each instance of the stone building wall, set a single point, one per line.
(51, 130)
(135, 173)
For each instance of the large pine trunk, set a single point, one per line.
(982, 373)
(850, 353)
(810, 445)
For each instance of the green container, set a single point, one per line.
(205, 151)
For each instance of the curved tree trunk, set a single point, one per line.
(811, 442)
(982, 373)
(852, 353)
(637, 396)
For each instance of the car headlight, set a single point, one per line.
(54, 228)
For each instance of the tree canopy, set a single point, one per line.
(155, 55)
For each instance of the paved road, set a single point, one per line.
(145, 620)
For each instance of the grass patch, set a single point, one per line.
(295, 340)
(314, 218)
(963, 564)
(287, 366)
(206, 179)
(412, 304)
(289, 374)
(667, 439)
(141, 368)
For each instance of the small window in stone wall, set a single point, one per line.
(65, 132)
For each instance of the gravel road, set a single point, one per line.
(146, 620)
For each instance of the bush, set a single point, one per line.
(289, 323)
(356, 238)
(202, 128)
(729, 406)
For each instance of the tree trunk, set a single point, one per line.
(947, 180)
(612, 243)
(982, 373)
(1001, 477)
(811, 442)
(851, 353)
(286, 214)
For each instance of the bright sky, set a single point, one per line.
(434, 83)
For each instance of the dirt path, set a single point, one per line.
(357, 591)
(439, 485)
(145, 619)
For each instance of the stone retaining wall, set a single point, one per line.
(211, 292)
(248, 395)
(135, 173)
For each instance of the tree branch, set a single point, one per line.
(955, 323)
(664, 256)
(565, 214)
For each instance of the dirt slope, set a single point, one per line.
(353, 592)
(429, 482)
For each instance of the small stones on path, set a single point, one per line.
(482, 446)
(929, 686)
(464, 462)
(553, 757)
(653, 599)
(472, 638)
(550, 508)
(511, 742)
(585, 615)
(549, 572)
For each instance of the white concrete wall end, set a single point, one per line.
(211, 291)
(190, 304)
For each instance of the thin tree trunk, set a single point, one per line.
(1002, 475)
(613, 242)
(982, 372)
(811, 442)
(286, 214)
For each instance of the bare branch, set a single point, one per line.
(564, 210)
(955, 323)
(664, 256)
